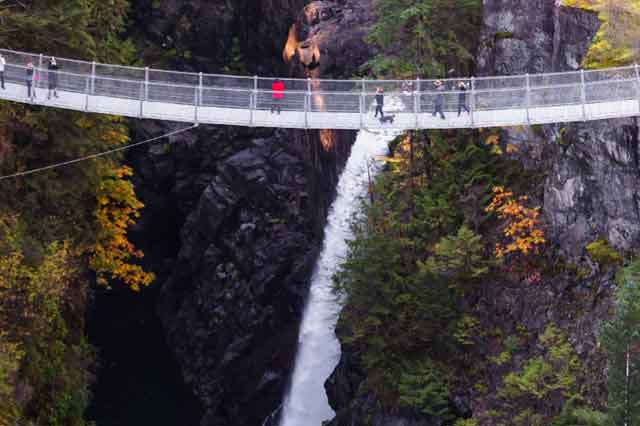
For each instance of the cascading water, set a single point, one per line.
(318, 348)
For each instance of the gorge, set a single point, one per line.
(441, 318)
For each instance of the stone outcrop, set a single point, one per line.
(533, 36)
(328, 37)
(234, 216)
(232, 225)
(591, 190)
(198, 34)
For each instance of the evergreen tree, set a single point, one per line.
(621, 339)
(424, 37)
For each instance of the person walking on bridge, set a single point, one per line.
(462, 98)
(277, 95)
(30, 78)
(53, 77)
(439, 100)
(3, 62)
(379, 102)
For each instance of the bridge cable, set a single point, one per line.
(97, 155)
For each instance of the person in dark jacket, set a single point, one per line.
(462, 98)
(439, 100)
(277, 95)
(53, 77)
(379, 102)
(29, 78)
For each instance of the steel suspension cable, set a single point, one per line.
(97, 155)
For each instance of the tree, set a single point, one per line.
(424, 37)
(522, 231)
(621, 340)
(117, 209)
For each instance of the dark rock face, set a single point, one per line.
(233, 221)
(328, 37)
(591, 190)
(534, 36)
(198, 34)
(249, 206)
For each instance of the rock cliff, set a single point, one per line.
(234, 216)
(591, 189)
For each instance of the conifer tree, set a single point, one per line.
(621, 339)
(424, 37)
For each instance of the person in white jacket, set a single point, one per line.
(2, 64)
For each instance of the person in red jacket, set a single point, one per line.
(277, 95)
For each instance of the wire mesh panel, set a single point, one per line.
(124, 89)
(336, 102)
(285, 101)
(290, 84)
(448, 101)
(174, 77)
(610, 74)
(611, 91)
(226, 98)
(228, 81)
(505, 82)
(16, 74)
(500, 99)
(555, 79)
(171, 94)
(555, 95)
(67, 82)
(120, 72)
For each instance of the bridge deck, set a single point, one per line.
(349, 104)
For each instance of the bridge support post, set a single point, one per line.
(528, 99)
(637, 69)
(87, 91)
(253, 100)
(307, 104)
(416, 102)
(93, 77)
(473, 102)
(146, 83)
(39, 71)
(362, 102)
(142, 86)
(583, 95)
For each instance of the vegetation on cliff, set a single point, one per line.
(452, 288)
(52, 223)
(616, 44)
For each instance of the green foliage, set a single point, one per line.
(552, 374)
(466, 422)
(620, 338)
(236, 62)
(459, 257)
(603, 254)
(35, 339)
(417, 255)
(43, 254)
(424, 37)
(422, 387)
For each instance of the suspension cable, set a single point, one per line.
(100, 154)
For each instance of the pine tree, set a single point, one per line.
(424, 37)
(621, 339)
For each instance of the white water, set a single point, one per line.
(318, 348)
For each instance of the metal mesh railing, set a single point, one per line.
(567, 96)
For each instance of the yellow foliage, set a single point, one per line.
(615, 44)
(522, 233)
(117, 209)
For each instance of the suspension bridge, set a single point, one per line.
(323, 104)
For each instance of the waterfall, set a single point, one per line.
(318, 348)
